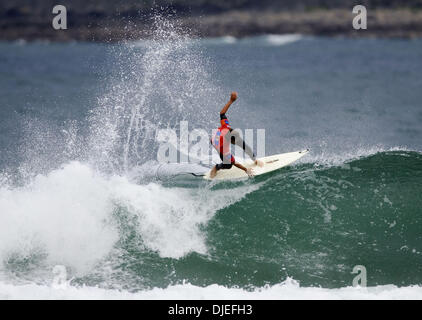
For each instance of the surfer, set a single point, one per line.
(225, 136)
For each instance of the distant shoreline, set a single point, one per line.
(382, 23)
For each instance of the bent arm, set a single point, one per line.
(233, 98)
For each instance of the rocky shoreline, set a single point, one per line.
(400, 23)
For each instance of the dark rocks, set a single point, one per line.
(94, 20)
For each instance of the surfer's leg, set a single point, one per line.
(227, 163)
(213, 172)
(237, 140)
(219, 167)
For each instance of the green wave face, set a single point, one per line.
(307, 222)
(316, 224)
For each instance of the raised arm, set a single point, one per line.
(233, 98)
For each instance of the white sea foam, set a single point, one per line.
(282, 39)
(288, 289)
(170, 219)
(67, 216)
(63, 214)
(221, 40)
(266, 40)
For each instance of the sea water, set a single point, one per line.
(75, 118)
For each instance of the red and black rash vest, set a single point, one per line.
(221, 139)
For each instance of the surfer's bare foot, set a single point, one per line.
(213, 172)
(259, 163)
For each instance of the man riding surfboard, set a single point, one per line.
(225, 136)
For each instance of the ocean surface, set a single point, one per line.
(77, 118)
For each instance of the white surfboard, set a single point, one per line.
(271, 163)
